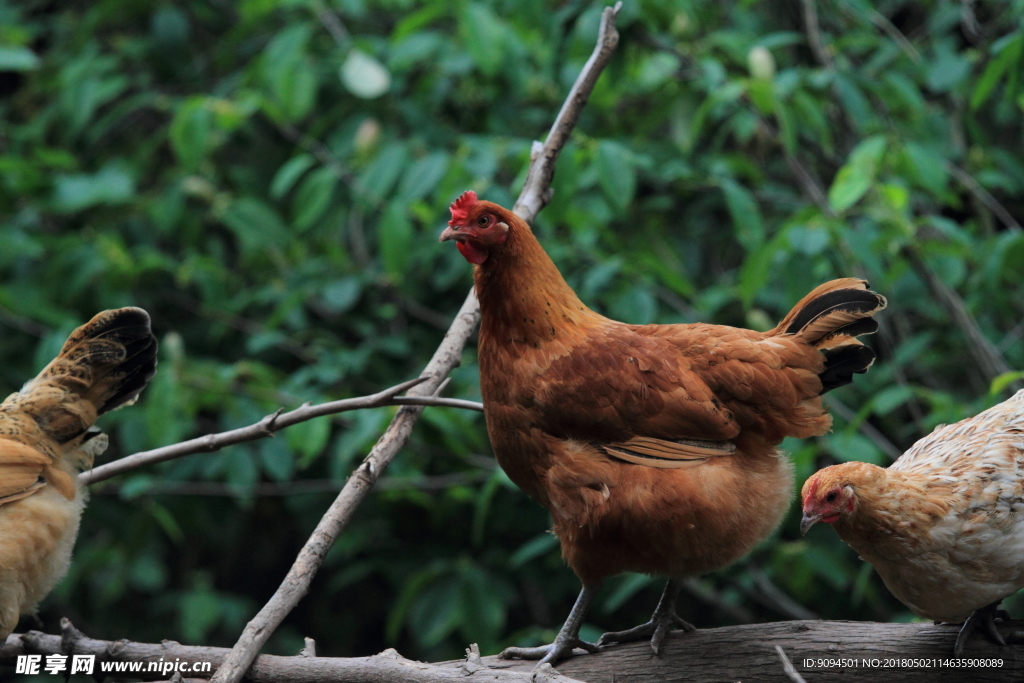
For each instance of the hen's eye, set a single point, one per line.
(831, 497)
(483, 221)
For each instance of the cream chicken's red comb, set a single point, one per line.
(461, 207)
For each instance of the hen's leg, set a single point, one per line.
(567, 639)
(984, 617)
(662, 621)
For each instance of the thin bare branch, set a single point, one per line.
(813, 29)
(771, 596)
(989, 359)
(866, 428)
(269, 425)
(882, 22)
(788, 666)
(20, 322)
(983, 195)
(534, 196)
(704, 591)
(332, 23)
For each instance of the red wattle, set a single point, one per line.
(831, 519)
(471, 253)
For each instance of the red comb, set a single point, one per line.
(460, 207)
(811, 490)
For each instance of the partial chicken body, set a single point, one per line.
(944, 524)
(653, 446)
(47, 438)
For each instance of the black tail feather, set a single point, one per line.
(851, 300)
(842, 363)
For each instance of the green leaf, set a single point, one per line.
(890, 398)
(313, 197)
(851, 446)
(483, 608)
(755, 271)
(111, 186)
(535, 547)
(379, 177)
(189, 132)
(256, 224)
(364, 75)
(423, 176)
(289, 74)
(1010, 55)
(199, 612)
(1000, 383)
(437, 611)
(309, 439)
(854, 179)
(636, 306)
(628, 586)
(483, 32)
(277, 459)
(17, 59)
(616, 173)
(289, 173)
(340, 295)
(395, 240)
(746, 216)
(927, 165)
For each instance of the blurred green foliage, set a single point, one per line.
(268, 179)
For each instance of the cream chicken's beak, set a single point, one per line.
(807, 521)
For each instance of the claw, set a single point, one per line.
(662, 621)
(984, 617)
(567, 639)
(548, 654)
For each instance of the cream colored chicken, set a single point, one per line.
(47, 437)
(944, 524)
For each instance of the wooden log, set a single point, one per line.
(821, 652)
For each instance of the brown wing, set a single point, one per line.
(21, 470)
(620, 385)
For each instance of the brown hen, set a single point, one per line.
(653, 446)
(47, 437)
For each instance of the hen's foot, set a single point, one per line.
(662, 621)
(566, 640)
(549, 654)
(986, 619)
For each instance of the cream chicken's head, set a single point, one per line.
(829, 495)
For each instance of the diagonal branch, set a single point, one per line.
(537, 190)
(535, 195)
(983, 195)
(989, 359)
(269, 425)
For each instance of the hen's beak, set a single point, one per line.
(807, 521)
(451, 233)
